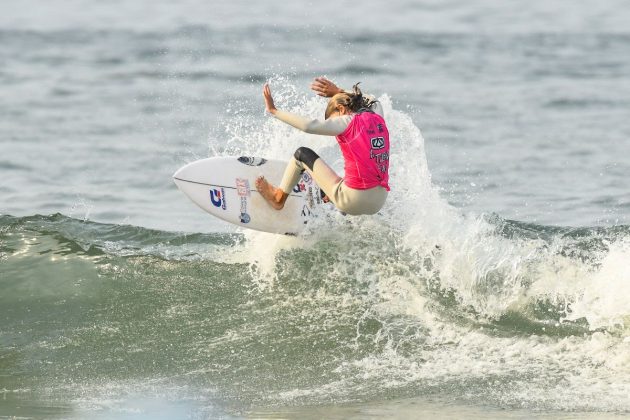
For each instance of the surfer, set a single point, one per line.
(356, 120)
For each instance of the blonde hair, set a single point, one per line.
(354, 101)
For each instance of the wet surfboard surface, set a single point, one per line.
(225, 187)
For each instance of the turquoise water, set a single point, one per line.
(494, 283)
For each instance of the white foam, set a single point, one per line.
(604, 300)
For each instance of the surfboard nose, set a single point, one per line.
(186, 172)
(182, 175)
(177, 177)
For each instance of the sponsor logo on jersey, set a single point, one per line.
(378, 142)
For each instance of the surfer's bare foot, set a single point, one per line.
(274, 196)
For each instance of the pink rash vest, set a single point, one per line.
(365, 148)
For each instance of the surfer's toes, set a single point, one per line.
(268, 192)
(260, 182)
(264, 187)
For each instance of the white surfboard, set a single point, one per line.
(226, 188)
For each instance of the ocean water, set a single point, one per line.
(495, 283)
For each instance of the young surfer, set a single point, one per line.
(356, 120)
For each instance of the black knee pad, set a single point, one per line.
(306, 156)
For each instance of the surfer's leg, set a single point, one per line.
(292, 175)
(304, 159)
(346, 199)
(325, 177)
(278, 196)
(327, 180)
(301, 160)
(307, 160)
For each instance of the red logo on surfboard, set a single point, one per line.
(242, 187)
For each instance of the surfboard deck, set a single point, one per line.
(225, 187)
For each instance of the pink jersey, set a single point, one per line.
(365, 148)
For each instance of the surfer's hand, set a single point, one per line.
(324, 87)
(269, 105)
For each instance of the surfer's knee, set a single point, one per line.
(306, 156)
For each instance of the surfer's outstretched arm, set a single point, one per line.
(329, 127)
(332, 126)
